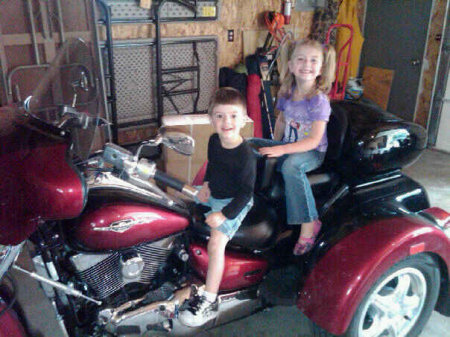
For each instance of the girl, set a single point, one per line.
(304, 107)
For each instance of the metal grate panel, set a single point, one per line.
(133, 68)
(135, 74)
(182, 55)
(129, 10)
(175, 10)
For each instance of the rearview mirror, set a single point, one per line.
(174, 140)
(178, 142)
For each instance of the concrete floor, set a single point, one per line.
(432, 170)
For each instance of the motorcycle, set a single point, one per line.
(117, 255)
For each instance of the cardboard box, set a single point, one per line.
(198, 127)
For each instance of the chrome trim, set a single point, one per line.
(190, 191)
(85, 261)
(9, 256)
(132, 268)
(108, 180)
(382, 180)
(133, 185)
(122, 226)
(145, 169)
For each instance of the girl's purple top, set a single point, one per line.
(299, 116)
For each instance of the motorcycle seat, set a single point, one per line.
(257, 232)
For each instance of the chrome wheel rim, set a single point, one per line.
(395, 305)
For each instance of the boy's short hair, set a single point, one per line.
(229, 96)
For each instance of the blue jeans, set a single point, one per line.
(300, 203)
(230, 226)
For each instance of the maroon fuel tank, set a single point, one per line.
(122, 225)
(37, 182)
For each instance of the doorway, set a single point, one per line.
(395, 36)
(438, 129)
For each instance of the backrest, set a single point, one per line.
(264, 172)
(336, 132)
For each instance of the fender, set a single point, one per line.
(10, 325)
(337, 284)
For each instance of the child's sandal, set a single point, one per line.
(304, 245)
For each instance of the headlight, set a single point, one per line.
(8, 255)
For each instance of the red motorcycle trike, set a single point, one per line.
(117, 255)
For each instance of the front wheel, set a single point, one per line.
(400, 302)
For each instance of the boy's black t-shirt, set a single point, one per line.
(231, 173)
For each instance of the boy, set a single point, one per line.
(228, 189)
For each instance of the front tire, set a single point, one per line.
(399, 303)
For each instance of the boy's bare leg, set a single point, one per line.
(204, 307)
(216, 252)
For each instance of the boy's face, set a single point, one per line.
(228, 121)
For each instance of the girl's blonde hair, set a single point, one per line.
(323, 82)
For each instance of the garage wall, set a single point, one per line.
(239, 15)
(430, 62)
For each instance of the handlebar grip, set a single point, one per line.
(169, 181)
(175, 183)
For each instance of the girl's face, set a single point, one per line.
(228, 120)
(306, 63)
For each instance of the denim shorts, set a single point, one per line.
(230, 226)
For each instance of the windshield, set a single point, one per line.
(68, 96)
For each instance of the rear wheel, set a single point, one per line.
(400, 302)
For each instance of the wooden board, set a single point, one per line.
(377, 85)
(253, 39)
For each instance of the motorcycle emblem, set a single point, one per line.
(122, 226)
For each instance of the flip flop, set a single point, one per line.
(304, 245)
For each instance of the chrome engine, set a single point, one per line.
(107, 273)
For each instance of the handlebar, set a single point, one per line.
(176, 184)
(125, 161)
(167, 180)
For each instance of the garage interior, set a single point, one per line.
(165, 65)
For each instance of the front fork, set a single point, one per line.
(10, 324)
(47, 276)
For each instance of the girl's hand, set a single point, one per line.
(215, 219)
(204, 193)
(272, 151)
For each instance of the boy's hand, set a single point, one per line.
(215, 219)
(272, 151)
(204, 193)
